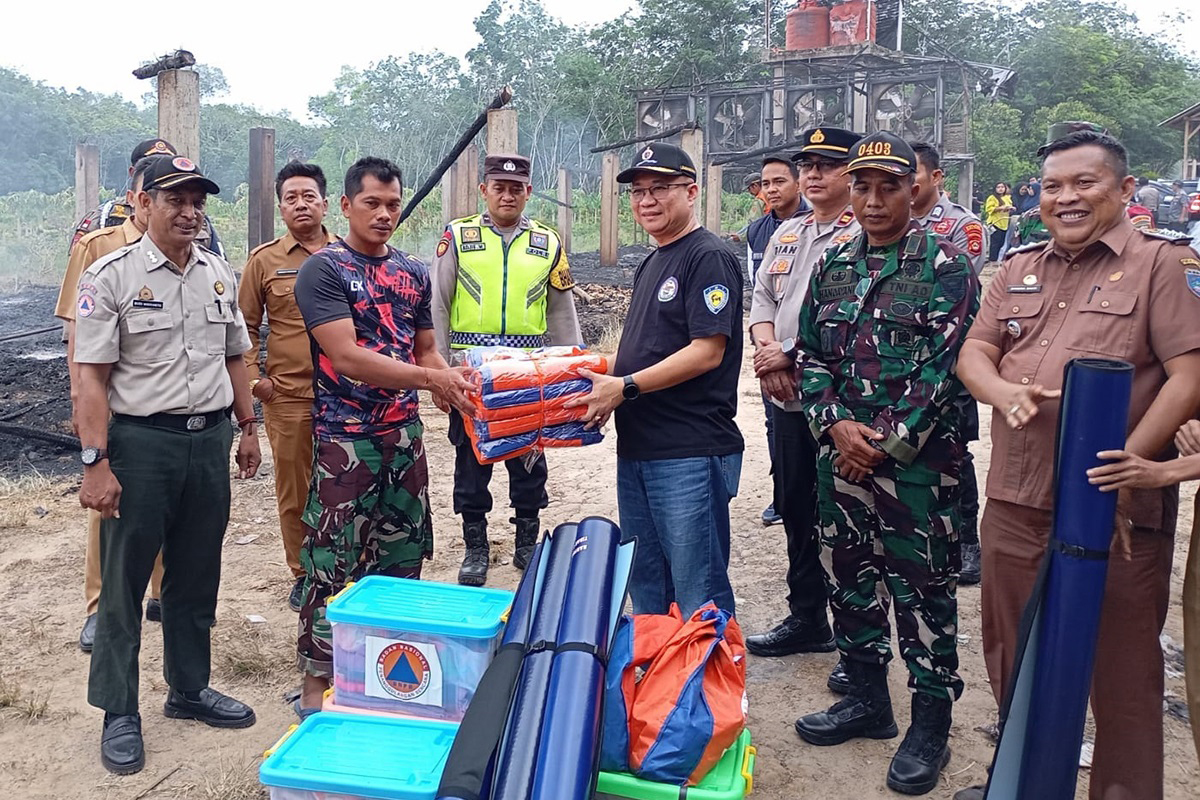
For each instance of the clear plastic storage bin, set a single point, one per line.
(334, 756)
(413, 647)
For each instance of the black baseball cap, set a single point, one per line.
(506, 167)
(171, 173)
(152, 147)
(834, 143)
(885, 151)
(660, 158)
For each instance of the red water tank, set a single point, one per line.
(852, 22)
(807, 26)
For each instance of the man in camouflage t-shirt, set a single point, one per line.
(888, 312)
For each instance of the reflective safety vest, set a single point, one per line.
(501, 295)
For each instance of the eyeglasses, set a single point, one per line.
(820, 166)
(657, 192)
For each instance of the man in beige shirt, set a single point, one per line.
(285, 385)
(84, 253)
(160, 344)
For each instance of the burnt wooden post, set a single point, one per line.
(179, 110)
(609, 199)
(261, 218)
(87, 178)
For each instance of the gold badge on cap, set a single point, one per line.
(219, 287)
(160, 147)
(647, 154)
(1116, 276)
(1029, 280)
(145, 294)
(817, 137)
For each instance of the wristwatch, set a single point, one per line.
(790, 347)
(254, 383)
(631, 390)
(91, 456)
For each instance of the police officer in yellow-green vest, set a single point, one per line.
(500, 279)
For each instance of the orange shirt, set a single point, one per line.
(1128, 296)
(268, 282)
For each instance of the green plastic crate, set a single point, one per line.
(732, 778)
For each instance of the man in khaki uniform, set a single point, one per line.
(285, 385)
(780, 291)
(1099, 289)
(160, 344)
(86, 251)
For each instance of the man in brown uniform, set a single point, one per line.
(285, 386)
(1099, 288)
(88, 249)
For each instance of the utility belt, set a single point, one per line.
(526, 341)
(189, 423)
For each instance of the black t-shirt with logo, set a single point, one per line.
(689, 289)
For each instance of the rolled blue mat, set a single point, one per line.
(573, 703)
(469, 766)
(1046, 704)
(518, 754)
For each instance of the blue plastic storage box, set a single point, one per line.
(413, 647)
(334, 756)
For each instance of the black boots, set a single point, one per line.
(474, 569)
(793, 635)
(918, 763)
(527, 533)
(839, 679)
(969, 575)
(865, 712)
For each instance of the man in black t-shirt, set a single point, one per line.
(679, 452)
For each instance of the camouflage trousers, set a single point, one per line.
(367, 514)
(905, 536)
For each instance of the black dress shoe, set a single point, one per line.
(296, 598)
(121, 749)
(793, 635)
(970, 575)
(211, 708)
(154, 610)
(839, 680)
(87, 636)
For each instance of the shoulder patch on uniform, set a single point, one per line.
(1192, 276)
(845, 219)
(443, 244)
(716, 297)
(560, 275)
(944, 226)
(1025, 248)
(1190, 262)
(974, 232)
(1169, 236)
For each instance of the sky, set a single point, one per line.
(237, 36)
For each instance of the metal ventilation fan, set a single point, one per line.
(735, 122)
(908, 109)
(656, 115)
(812, 107)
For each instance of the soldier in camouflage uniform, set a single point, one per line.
(878, 343)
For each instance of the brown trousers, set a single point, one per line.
(91, 566)
(1127, 685)
(289, 430)
(1191, 624)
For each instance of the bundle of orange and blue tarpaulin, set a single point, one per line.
(521, 404)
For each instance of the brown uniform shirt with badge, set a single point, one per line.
(268, 282)
(86, 251)
(166, 331)
(1133, 295)
(781, 285)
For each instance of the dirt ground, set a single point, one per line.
(49, 735)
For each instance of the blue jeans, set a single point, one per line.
(678, 508)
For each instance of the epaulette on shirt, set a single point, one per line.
(262, 246)
(1025, 248)
(1171, 236)
(845, 219)
(102, 262)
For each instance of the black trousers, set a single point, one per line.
(526, 487)
(174, 496)
(795, 473)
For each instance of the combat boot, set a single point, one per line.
(924, 752)
(474, 569)
(839, 678)
(865, 712)
(527, 533)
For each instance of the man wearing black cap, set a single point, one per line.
(115, 212)
(159, 344)
(780, 291)
(878, 343)
(500, 278)
(674, 389)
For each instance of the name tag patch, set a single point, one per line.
(287, 272)
(155, 304)
(469, 247)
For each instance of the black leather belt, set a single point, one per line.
(192, 423)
